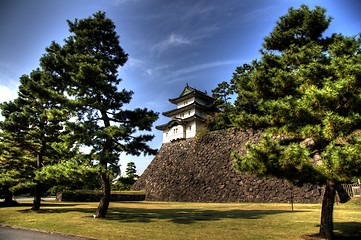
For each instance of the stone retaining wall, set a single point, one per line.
(200, 170)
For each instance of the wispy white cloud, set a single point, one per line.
(175, 39)
(120, 2)
(181, 74)
(189, 37)
(197, 10)
(156, 70)
(134, 62)
(186, 24)
(260, 13)
(171, 73)
(171, 40)
(204, 66)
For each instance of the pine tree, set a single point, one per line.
(223, 94)
(88, 63)
(305, 94)
(34, 123)
(131, 170)
(14, 167)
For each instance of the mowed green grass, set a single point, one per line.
(169, 220)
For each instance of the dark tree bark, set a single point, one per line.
(105, 199)
(38, 187)
(37, 197)
(8, 201)
(326, 227)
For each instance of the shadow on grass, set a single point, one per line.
(342, 230)
(47, 205)
(185, 216)
(348, 230)
(147, 215)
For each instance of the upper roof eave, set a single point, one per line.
(190, 92)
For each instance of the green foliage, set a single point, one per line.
(15, 166)
(222, 93)
(202, 133)
(273, 158)
(305, 92)
(73, 100)
(88, 65)
(67, 173)
(93, 55)
(126, 182)
(308, 89)
(123, 183)
(298, 28)
(222, 119)
(33, 133)
(131, 170)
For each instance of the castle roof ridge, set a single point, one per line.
(189, 92)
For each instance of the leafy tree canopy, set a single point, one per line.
(33, 131)
(131, 170)
(88, 64)
(305, 94)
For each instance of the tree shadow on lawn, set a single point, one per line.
(147, 215)
(44, 204)
(60, 209)
(185, 216)
(342, 230)
(347, 230)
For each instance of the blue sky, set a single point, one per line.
(169, 42)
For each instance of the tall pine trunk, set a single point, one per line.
(8, 201)
(37, 197)
(38, 187)
(326, 227)
(105, 198)
(107, 151)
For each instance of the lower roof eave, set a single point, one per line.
(173, 123)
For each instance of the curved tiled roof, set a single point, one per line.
(178, 121)
(189, 92)
(194, 105)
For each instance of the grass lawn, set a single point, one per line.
(168, 220)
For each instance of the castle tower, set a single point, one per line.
(188, 118)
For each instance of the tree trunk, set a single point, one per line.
(38, 188)
(8, 198)
(105, 199)
(37, 197)
(107, 151)
(326, 227)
